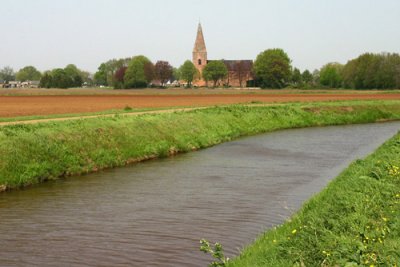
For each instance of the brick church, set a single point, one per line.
(239, 71)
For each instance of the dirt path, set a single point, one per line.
(15, 106)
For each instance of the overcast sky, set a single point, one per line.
(53, 33)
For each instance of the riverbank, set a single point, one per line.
(30, 154)
(355, 221)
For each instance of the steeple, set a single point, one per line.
(200, 50)
(199, 45)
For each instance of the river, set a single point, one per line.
(154, 213)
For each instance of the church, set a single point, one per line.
(239, 71)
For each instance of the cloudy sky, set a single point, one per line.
(54, 33)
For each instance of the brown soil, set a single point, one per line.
(13, 106)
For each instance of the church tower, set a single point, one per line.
(200, 50)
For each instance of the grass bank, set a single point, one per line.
(354, 221)
(31, 154)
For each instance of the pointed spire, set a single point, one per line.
(199, 45)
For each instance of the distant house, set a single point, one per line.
(14, 84)
(29, 84)
(35, 84)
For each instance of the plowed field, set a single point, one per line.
(23, 105)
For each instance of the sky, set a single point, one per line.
(53, 33)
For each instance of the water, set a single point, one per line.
(154, 213)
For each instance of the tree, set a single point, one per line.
(149, 71)
(315, 75)
(307, 77)
(7, 74)
(87, 78)
(272, 68)
(330, 75)
(372, 71)
(188, 72)
(60, 79)
(138, 73)
(28, 73)
(214, 71)
(74, 75)
(163, 71)
(119, 78)
(105, 73)
(100, 77)
(68, 77)
(297, 79)
(175, 74)
(46, 81)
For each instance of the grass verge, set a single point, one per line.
(127, 109)
(31, 154)
(354, 221)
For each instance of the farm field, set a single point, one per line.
(33, 102)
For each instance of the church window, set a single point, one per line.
(199, 61)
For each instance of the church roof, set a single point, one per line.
(244, 65)
(235, 65)
(200, 44)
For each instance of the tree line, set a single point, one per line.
(271, 69)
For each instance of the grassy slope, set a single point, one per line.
(30, 154)
(355, 221)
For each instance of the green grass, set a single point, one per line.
(30, 154)
(354, 221)
(126, 109)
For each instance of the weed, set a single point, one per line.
(216, 252)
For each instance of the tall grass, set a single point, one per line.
(30, 154)
(355, 221)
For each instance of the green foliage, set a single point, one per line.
(296, 78)
(28, 73)
(217, 253)
(373, 71)
(105, 74)
(74, 75)
(188, 72)
(215, 71)
(100, 77)
(272, 68)
(354, 221)
(30, 154)
(331, 75)
(60, 79)
(7, 74)
(47, 80)
(307, 77)
(135, 75)
(68, 77)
